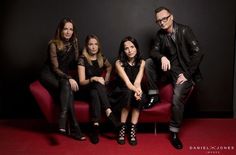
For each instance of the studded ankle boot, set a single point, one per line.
(121, 135)
(132, 136)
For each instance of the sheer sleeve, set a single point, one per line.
(108, 68)
(54, 62)
(106, 62)
(81, 61)
(76, 46)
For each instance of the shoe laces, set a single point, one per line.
(122, 133)
(133, 133)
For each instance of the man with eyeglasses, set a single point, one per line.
(174, 58)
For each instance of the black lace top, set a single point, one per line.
(61, 61)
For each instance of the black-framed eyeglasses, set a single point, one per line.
(164, 19)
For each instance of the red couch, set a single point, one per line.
(158, 113)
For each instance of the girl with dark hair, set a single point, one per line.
(130, 68)
(62, 57)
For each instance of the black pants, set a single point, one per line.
(97, 96)
(61, 91)
(179, 95)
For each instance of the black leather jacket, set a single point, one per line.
(187, 47)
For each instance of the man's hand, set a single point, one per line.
(165, 64)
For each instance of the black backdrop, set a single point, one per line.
(28, 25)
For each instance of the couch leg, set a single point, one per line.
(155, 128)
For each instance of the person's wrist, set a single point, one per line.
(163, 57)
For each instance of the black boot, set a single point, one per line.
(77, 134)
(114, 121)
(94, 137)
(132, 136)
(121, 136)
(75, 128)
(175, 141)
(65, 98)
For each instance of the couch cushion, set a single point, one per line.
(158, 113)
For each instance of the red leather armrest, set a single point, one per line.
(44, 100)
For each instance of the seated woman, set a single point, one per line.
(62, 54)
(130, 69)
(91, 65)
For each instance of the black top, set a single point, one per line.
(91, 70)
(120, 96)
(61, 61)
(176, 68)
(131, 72)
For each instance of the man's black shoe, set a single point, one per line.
(153, 100)
(175, 141)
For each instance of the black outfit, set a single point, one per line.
(54, 76)
(182, 50)
(122, 96)
(125, 98)
(96, 91)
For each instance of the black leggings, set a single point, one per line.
(60, 89)
(98, 99)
